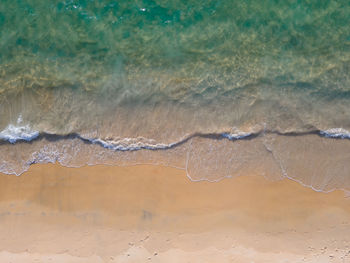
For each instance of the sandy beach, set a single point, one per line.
(156, 214)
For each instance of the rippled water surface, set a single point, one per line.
(225, 84)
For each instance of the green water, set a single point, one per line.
(88, 44)
(125, 74)
(283, 65)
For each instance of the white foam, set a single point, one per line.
(129, 144)
(236, 135)
(336, 133)
(13, 133)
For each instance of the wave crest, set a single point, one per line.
(13, 133)
(336, 133)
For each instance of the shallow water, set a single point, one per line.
(137, 81)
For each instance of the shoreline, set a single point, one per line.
(316, 162)
(130, 214)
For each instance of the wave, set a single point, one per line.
(314, 159)
(17, 133)
(237, 135)
(139, 143)
(130, 144)
(13, 133)
(336, 133)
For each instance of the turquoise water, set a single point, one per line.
(149, 74)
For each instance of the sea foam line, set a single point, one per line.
(131, 144)
(237, 136)
(336, 133)
(13, 133)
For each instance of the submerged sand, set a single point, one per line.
(156, 214)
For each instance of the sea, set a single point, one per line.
(218, 88)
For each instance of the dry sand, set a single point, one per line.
(156, 214)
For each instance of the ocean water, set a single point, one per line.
(218, 88)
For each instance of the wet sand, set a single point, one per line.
(156, 214)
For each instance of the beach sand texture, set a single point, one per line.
(156, 214)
